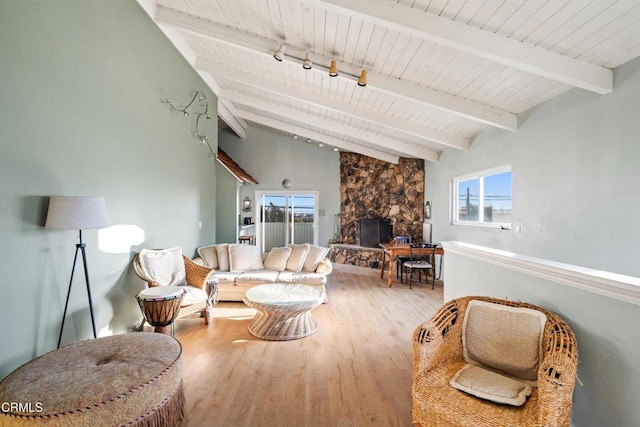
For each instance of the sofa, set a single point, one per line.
(238, 267)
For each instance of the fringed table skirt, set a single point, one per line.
(131, 379)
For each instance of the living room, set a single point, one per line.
(82, 83)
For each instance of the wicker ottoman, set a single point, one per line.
(131, 379)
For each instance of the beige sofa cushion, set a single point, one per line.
(297, 257)
(209, 256)
(503, 338)
(314, 256)
(244, 258)
(258, 276)
(302, 278)
(490, 385)
(164, 266)
(222, 250)
(277, 259)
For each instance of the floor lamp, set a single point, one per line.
(77, 213)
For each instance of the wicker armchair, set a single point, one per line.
(437, 350)
(198, 277)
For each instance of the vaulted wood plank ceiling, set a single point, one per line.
(438, 71)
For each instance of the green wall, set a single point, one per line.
(271, 156)
(226, 210)
(80, 84)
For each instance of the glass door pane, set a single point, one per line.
(286, 218)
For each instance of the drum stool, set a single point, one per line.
(109, 381)
(160, 306)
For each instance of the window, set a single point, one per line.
(483, 198)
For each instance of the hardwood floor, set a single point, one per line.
(354, 371)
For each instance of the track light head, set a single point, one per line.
(333, 71)
(362, 81)
(279, 55)
(306, 64)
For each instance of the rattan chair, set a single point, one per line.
(437, 356)
(198, 277)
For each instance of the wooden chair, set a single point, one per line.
(197, 277)
(438, 355)
(421, 256)
(401, 240)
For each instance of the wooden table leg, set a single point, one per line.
(382, 264)
(390, 278)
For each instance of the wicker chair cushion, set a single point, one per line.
(193, 296)
(209, 256)
(277, 259)
(244, 258)
(490, 385)
(129, 379)
(222, 250)
(164, 266)
(297, 257)
(314, 256)
(503, 338)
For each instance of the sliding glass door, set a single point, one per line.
(286, 217)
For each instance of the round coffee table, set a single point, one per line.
(283, 310)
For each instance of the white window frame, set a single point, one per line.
(480, 177)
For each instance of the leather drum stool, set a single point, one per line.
(131, 379)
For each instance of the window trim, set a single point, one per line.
(480, 175)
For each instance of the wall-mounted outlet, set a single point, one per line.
(518, 229)
(200, 225)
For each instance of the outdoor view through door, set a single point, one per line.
(286, 217)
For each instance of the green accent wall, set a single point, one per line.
(80, 84)
(270, 157)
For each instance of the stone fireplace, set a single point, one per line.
(374, 189)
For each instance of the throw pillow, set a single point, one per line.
(503, 338)
(222, 250)
(164, 266)
(244, 258)
(209, 256)
(297, 257)
(277, 259)
(315, 255)
(490, 385)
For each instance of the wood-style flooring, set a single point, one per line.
(354, 371)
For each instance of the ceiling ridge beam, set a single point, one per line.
(296, 115)
(317, 136)
(475, 41)
(432, 98)
(380, 119)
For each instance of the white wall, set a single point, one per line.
(575, 179)
(271, 156)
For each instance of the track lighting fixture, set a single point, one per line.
(309, 140)
(362, 81)
(335, 148)
(306, 64)
(279, 55)
(295, 136)
(320, 144)
(333, 71)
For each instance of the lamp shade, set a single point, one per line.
(76, 213)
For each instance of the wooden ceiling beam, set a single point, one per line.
(475, 41)
(412, 92)
(292, 114)
(399, 125)
(317, 136)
